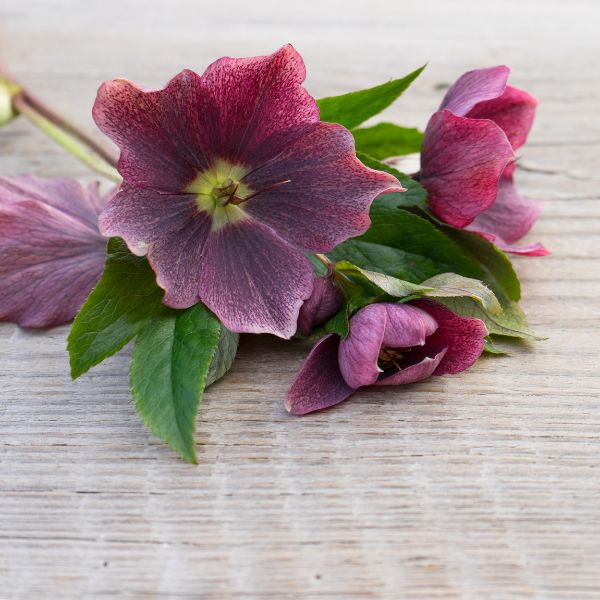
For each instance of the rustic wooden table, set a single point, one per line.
(484, 485)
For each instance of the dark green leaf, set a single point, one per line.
(116, 310)
(170, 365)
(405, 246)
(386, 139)
(415, 194)
(354, 108)
(224, 355)
(491, 349)
(498, 270)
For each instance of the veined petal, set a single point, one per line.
(259, 105)
(254, 281)
(324, 302)
(319, 383)
(413, 373)
(474, 87)
(51, 251)
(462, 161)
(406, 326)
(513, 112)
(143, 216)
(508, 220)
(317, 193)
(463, 337)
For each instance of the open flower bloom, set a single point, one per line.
(388, 344)
(51, 252)
(228, 178)
(467, 158)
(325, 300)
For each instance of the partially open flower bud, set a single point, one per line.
(324, 302)
(7, 91)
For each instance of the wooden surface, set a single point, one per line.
(480, 486)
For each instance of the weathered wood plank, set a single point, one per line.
(483, 485)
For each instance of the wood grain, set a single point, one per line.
(480, 486)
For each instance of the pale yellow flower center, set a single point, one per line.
(221, 192)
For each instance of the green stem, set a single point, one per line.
(65, 139)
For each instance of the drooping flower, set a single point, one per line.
(388, 344)
(51, 252)
(228, 178)
(325, 300)
(468, 165)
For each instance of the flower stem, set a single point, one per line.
(322, 258)
(78, 145)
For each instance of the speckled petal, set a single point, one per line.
(513, 112)
(51, 252)
(413, 373)
(462, 161)
(319, 383)
(143, 216)
(318, 192)
(474, 87)
(254, 281)
(463, 337)
(392, 325)
(509, 219)
(260, 106)
(324, 302)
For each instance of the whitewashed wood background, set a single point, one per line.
(480, 486)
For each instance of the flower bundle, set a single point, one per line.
(244, 205)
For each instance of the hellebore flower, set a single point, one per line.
(228, 178)
(325, 300)
(467, 164)
(51, 252)
(388, 344)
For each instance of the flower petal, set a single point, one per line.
(513, 112)
(52, 253)
(406, 326)
(318, 193)
(260, 106)
(161, 133)
(324, 302)
(474, 87)
(508, 220)
(464, 337)
(413, 373)
(462, 160)
(143, 216)
(358, 353)
(319, 383)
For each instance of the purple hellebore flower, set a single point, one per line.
(228, 178)
(51, 252)
(467, 158)
(325, 300)
(388, 344)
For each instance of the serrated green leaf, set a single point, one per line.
(498, 271)
(170, 365)
(405, 246)
(354, 108)
(490, 348)
(414, 196)
(511, 322)
(448, 285)
(117, 309)
(224, 355)
(386, 139)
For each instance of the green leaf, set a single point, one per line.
(354, 108)
(224, 355)
(450, 285)
(387, 139)
(170, 366)
(415, 194)
(498, 271)
(117, 309)
(511, 322)
(491, 349)
(405, 246)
